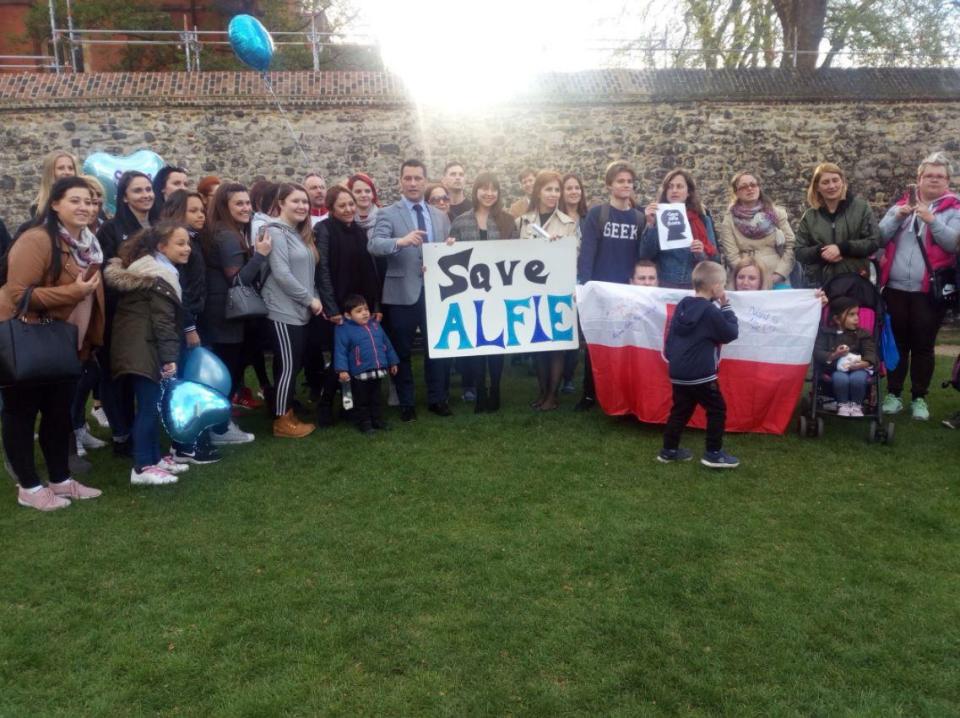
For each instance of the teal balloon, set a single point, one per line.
(108, 169)
(251, 42)
(187, 408)
(204, 367)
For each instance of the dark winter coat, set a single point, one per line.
(345, 266)
(193, 282)
(853, 228)
(860, 342)
(697, 331)
(148, 325)
(361, 348)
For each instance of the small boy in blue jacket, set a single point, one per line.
(692, 348)
(363, 355)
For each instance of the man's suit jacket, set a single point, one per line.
(404, 276)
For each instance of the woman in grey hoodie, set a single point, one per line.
(291, 298)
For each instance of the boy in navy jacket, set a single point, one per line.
(363, 355)
(692, 349)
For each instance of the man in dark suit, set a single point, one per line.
(400, 231)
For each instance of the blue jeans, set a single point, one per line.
(850, 386)
(146, 422)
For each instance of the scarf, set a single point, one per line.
(699, 230)
(367, 223)
(753, 222)
(85, 250)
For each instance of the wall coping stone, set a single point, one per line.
(29, 91)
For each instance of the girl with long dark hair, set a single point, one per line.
(487, 220)
(57, 261)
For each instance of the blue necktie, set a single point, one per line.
(421, 224)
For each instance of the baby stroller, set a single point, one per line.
(820, 402)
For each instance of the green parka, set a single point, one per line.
(853, 228)
(147, 328)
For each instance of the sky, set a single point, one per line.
(453, 53)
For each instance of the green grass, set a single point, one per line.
(512, 564)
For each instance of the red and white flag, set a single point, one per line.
(761, 373)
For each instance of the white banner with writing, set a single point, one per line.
(500, 297)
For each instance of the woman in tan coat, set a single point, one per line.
(59, 258)
(755, 228)
(544, 213)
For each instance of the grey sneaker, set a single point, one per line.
(952, 422)
(233, 435)
(668, 456)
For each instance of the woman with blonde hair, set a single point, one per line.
(748, 275)
(56, 165)
(839, 232)
(753, 227)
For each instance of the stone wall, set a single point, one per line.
(878, 139)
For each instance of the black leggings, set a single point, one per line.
(915, 326)
(685, 401)
(288, 344)
(21, 404)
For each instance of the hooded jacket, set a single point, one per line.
(147, 328)
(360, 348)
(697, 331)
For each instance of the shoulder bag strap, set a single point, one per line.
(23, 306)
(923, 250)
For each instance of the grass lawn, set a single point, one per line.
(511, 564)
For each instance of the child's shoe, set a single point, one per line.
(668, 456)
(843, 409)
(854, 409)
(892, 404)
(919, 410)
(719, 460)
(366, 428)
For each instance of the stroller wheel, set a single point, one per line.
(805, 405)
(802, 427)
(888, 436)
(873, 437)
(819, 427)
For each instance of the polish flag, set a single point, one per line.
(761, 373)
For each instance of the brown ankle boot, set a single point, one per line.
(287, 426)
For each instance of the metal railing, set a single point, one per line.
(27, 62)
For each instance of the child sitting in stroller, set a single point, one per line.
(848, 353)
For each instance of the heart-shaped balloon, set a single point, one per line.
(187, 408)
(107, 168)
(251, 42)
(204, 367)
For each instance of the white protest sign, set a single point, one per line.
(500, 297)
(672, 226)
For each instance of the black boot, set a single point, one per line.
(481, 404)
(324, 415)
(123, 449)
(493, 403)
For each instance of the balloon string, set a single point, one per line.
(283, 114)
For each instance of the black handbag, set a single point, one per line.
(244, 302)
(943, 282)
(36, 353)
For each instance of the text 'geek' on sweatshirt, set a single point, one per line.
(608, 252)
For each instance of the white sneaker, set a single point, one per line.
(100, 416)
(233, 435)
(854, 409)
(172, 467)
(81, 451)
(843, 409)
(88, 440)
(151, 476)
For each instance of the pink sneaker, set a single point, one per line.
(854, 409)
(42, 500)
(172, 467)
(843, 409)
(72, 489)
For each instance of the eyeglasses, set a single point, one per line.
(440, 200)
(747, 185)
(942, 178)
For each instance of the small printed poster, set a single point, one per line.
(673, 227)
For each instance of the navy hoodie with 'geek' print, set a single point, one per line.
(697, 331)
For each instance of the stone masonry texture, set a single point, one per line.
(876, 124)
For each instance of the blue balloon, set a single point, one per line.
(204, 367)
(187, 408)
(251, 42)
(108, 169)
